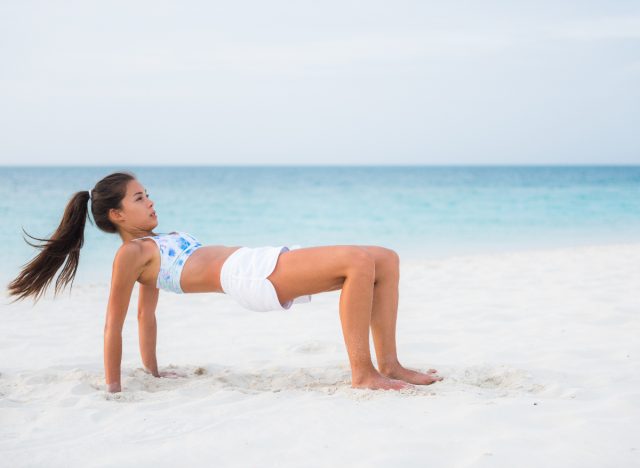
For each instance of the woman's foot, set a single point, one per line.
(379, 382)
(411, 376)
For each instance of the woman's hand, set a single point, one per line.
(171, 374)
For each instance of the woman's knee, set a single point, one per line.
(393, 258)
(360, 262)
(387, 262)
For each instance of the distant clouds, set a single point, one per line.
(347, 82)
(599, 28)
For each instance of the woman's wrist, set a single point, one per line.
(152, 370)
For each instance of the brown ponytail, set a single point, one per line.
(67, 240)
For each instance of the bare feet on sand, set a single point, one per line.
(379, 382)
(411, 376)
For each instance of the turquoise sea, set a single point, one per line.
(422, 212)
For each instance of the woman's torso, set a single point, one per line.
(200, 272)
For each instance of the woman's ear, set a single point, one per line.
(115, 215)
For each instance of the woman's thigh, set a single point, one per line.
(312, 270)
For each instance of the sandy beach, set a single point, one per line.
(539, 351)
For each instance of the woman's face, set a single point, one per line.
(137, 209)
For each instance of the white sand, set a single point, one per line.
(540, 352)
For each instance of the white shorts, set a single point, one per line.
(243, 276)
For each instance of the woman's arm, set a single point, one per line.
(147, 327)
(127, 266)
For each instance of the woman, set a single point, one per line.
(260, 279)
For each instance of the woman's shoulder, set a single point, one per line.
(134, 253)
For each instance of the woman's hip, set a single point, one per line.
(244, 273)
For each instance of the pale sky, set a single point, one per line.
(325, 82)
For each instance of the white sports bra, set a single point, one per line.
(175, 247)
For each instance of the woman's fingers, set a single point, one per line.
(171, 374)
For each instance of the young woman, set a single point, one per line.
(260, 279)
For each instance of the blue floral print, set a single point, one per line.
(175, 248)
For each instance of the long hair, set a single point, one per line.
(67, 240)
